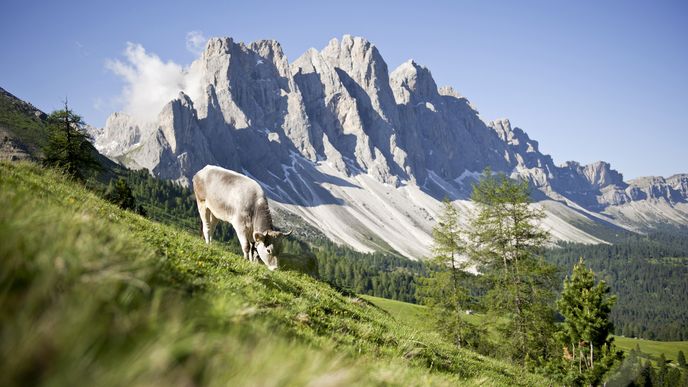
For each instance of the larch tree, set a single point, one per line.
(442, 289)
(506, 245)
(69, 147)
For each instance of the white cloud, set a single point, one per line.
(150, 83)
(195, 41)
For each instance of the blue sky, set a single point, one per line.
(590, 80)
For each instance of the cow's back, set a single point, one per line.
(227, 193)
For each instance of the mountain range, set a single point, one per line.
(346, 149)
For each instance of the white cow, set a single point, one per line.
(226, 195)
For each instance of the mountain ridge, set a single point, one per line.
(336, 121)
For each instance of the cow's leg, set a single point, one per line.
(212, 223)
(253, 253)
(204, 212)
(206, 229)
(245, 245)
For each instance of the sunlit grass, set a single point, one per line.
(653, 348)
(416, 316)
(93, 295)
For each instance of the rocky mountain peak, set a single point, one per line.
(307, 62)
(449, 92)
(120, 133)
(177, 119)
(362, 71)
(679, 182)
(515, 137)
(218, 46)
(271, 50)
(600, 174)
(413, 83)
(350, 48)
(356, 56)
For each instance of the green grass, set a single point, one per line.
(26, 126)
(416, 316)
(93, 295)
(653, 348)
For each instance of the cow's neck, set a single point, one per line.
(262, 221)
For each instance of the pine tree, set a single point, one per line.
(442, 290)
(646, 376)
(120, 194)
(662, 371)
(506, 244)
(673, 378)
(588, 349)
(69, 147)
(681, 359)
(684, 379)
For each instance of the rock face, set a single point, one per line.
(335, 123)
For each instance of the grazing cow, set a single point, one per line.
(226, 195)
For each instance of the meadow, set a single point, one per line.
(95, 295)
(416, 316)
(653, 348)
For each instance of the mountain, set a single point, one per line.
(364, 155)
(24, 131)
(22, 128)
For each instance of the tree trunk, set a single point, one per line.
(68, 134)
(580, 360)
(573, 351)
(456, 299)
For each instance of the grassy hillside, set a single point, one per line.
(23, 122)
(415, 316)
(653, 348)
(93, 295)
(22, 117)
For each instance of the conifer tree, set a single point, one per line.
(119, 193)
(662, 371)
(646, 376)
(588, 348)
(69, 147)
(684, 379)
(673, 377)
(506, 244)
(442, 290)
(681, 359)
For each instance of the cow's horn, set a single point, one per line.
(287, 233)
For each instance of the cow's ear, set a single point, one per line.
(279, 234)
(259, 236)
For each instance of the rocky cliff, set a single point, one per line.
(361, 153)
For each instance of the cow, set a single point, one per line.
(227, 195)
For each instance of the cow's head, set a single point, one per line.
(268, 246)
